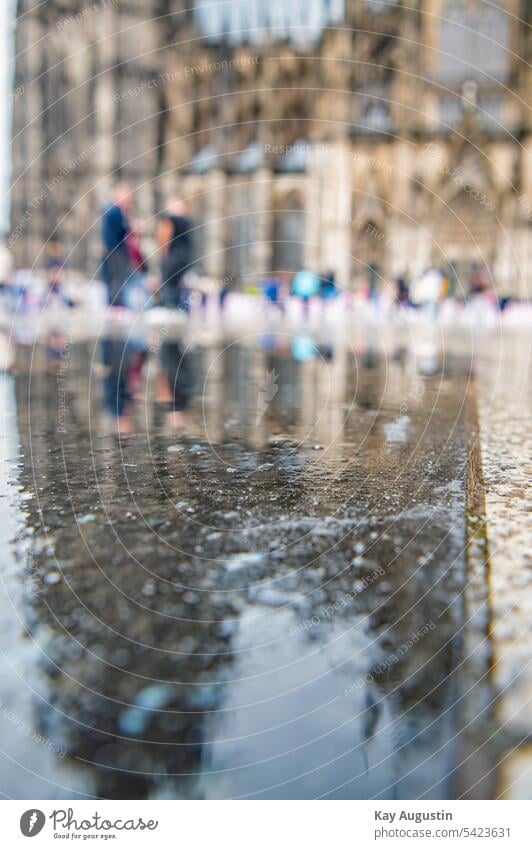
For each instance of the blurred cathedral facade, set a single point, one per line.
(371, 138)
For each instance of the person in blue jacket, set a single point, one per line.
(117, 265)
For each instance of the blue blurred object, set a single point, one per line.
(303, 349)
(305, 284)
(272, 290)
(328, 289)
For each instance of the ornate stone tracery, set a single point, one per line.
(381, 95)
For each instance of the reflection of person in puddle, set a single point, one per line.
(175, 365)
(117, 359)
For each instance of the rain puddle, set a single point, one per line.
(247, 587)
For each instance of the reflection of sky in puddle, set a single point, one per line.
(397, 431)
(299, 735)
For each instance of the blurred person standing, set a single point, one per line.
(54, 266)
(55, 276)
(427, 290)
(328, 288)
(305, 286)
(117, 265)
(402, 292)
(272, 291)
(175, 243)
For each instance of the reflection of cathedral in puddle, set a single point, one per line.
(105, 643)
(122, 630)
(144, 605)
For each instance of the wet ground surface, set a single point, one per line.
(505, 408)
(266, 602)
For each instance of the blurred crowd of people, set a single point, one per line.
(129, 285)
(172, 276)
(124, 266)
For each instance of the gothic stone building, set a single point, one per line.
(367, 137)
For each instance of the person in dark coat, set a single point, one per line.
(116, 265)
(175, 242)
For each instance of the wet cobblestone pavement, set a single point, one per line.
(505, 407)
(268, 603)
